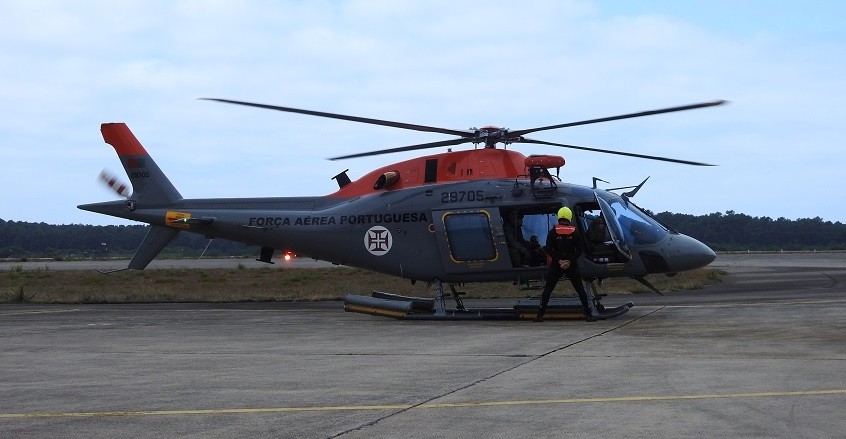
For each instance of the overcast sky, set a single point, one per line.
(67, 67)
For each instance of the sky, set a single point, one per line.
(67, 67)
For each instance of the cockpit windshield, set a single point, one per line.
(637, 227)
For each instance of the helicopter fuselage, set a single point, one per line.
(434, 217)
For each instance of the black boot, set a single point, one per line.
(586, 307)
(539, 317)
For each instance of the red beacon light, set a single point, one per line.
(288, 256)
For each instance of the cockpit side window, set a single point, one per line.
(638, 228)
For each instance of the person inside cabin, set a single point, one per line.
(598, 234)
(538, 257)
(518, 247)
(564, 248)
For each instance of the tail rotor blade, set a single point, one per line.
(114, 184)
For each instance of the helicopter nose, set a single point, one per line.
(689, 254)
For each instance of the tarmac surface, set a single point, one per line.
(762, 354)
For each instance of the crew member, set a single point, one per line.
(564, 248)
(598, 234)
(518, 247)
(537, 251)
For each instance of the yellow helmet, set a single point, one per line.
(565, 213)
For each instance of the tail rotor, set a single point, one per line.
(114, 184)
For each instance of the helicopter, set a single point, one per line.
(441, 219)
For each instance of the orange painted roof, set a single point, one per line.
(476, 164)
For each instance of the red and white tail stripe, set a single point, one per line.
(113, 183)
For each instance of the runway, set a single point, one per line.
(761, 355)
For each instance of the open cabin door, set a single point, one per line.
(614, 229)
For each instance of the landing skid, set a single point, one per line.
(422, 308)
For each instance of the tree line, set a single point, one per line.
(727, 231)
(732, 231)
(20, 239)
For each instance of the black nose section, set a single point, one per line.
(687, 253)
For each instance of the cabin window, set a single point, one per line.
(469, 236)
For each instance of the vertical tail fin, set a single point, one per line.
(157, 238)
(149, 184)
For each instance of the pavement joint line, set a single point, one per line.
(429, 405)
(427, 402)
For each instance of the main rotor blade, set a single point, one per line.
(403, 125)
(622, 116)
(608, 151)
(405, 148)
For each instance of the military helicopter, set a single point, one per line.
(441, 219)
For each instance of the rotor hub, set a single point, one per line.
(490, 135)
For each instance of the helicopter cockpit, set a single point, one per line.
(613, 224)
(610, 227)
(635, 225)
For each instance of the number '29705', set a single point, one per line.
(461, 196)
